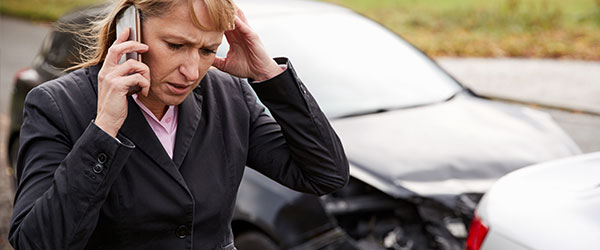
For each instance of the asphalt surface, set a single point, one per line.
(558, 83)
(19, 43)
(571, 86)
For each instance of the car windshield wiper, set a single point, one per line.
(382, 110)
(366, 112)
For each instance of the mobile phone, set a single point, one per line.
(130, 18)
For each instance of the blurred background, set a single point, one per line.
(465, 28)
(542, 53)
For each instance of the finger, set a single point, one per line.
(145, 85)
(118, 49)
(132, 66)
(242, 27)
(122, 37)
(145, 90)
(136, 80)
(219, 63)
(126, 47)
(241, 14)
(145, 72)
(229, 35)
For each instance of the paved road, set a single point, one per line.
(558, 83)
(571, 84)
(19, 43)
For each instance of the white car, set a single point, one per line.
(552, 205)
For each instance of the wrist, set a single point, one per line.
(109, 128)
(273, 71)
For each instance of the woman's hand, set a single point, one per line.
(247, 57)
(114, 81)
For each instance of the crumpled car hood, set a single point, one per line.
(459, 146)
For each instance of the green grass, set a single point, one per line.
(474, 28)
(492, 28)
(41, 10)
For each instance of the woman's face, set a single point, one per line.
(179, 53)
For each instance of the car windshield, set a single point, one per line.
(350, 64)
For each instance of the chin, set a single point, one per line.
(167, 98)
(174, 101)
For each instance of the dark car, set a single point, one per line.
(423, 149)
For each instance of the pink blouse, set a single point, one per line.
(165, 129)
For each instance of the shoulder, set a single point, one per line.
(68, 87)
(72, 95)
(219, 78)
(218, 83)
(224, 92)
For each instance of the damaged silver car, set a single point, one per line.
(423, 148)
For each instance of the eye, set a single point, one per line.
(174, 46)
(207, 51)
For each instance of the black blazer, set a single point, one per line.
(79, 188)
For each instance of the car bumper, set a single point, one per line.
(496, 241)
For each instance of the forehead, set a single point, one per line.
(178, 22)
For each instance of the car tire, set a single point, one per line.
(253, 240)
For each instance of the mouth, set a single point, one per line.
(178, 88)
(179, 85)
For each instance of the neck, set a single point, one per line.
(158, 108)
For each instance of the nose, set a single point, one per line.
(189, 68)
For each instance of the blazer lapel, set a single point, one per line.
(137, 129)
(140, 133)
(188, 120)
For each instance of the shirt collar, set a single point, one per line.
(167, 121)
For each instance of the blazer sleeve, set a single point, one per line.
(62, 183)
(300, 150)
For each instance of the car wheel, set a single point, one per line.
(253, 240)
(12, 158)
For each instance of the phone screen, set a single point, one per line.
(130, 18)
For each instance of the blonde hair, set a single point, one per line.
(99, 37)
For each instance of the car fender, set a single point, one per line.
(287, 216)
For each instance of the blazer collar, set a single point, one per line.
(188, 120)
(137, 129)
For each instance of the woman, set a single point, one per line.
(161, 169)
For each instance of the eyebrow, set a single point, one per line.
(188, 41)
(213, 45)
